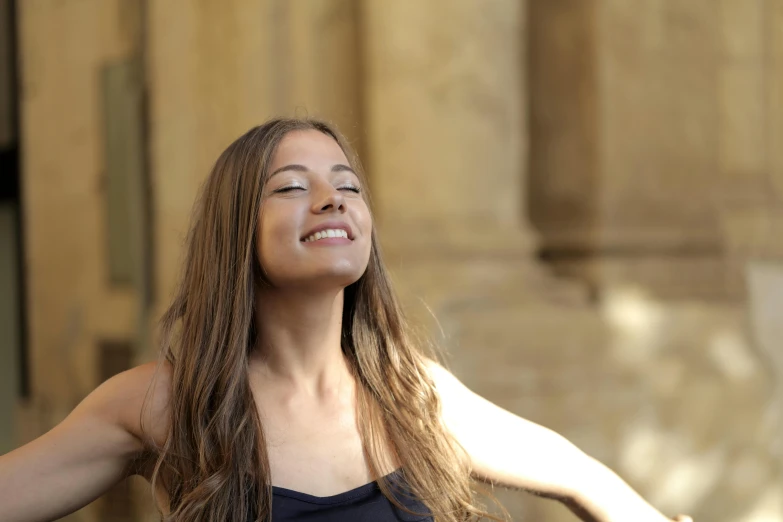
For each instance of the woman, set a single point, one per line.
(289, 384)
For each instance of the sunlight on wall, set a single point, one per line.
(674, 476)
(689, 364)
(765, 285)
(637, 324)
(769, 507)
(688, 479)
(731, 355)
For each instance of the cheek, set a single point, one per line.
(363, 219)
(273, 236)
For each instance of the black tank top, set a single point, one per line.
(363, 504)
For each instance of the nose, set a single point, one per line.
(329, 199)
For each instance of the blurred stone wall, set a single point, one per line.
(578, 190)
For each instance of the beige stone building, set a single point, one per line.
(582, 200)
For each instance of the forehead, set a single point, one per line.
(310, 148)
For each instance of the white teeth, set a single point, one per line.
(327, 233)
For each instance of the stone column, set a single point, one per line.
(447, 145)
(445, 118)
(658, 146)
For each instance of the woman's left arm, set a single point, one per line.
(508, 450)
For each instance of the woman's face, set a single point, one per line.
(314, 228)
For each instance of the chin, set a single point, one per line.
(335, 279)
(321, 280)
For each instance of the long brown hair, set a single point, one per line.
(214, 464)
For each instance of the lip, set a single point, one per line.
(334, 225)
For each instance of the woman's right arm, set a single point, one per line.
(80, 458)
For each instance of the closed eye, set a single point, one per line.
(290, 188)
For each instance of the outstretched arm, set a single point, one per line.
(80, 458)
(508, 450)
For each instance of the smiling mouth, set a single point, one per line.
(327, 234)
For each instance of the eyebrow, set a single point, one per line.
(301, 168)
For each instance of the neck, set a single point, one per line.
(298, 344)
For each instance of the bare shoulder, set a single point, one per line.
(432, 366)
(445, 382)
(97, 445)
(456, 399)
(136, 399)
(464, 409)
